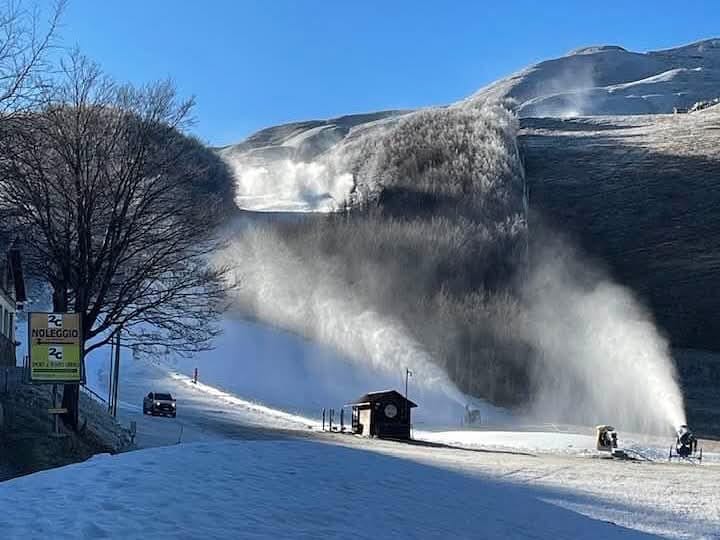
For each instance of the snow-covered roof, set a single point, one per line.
(372, 397)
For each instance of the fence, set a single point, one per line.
(94, 395)
(12, 377)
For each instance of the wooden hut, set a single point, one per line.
(382, 414)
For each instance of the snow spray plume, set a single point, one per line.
(601, 359)
(569, 90)
(304, 296)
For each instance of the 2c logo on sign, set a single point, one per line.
(55, 320)
(55, 354)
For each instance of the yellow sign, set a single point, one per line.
(55, 340)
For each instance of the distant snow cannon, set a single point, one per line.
(472, 416)
(686, 446)
(606, 440)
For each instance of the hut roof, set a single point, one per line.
(372, 397)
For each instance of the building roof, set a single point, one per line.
(372, 397)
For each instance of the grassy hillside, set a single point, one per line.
(700, 375)
(640, 193)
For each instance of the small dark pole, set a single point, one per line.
(56, 405)
(112, 375)
(408, 373)
(117, 374)
(195, 374)
(342, 420)
(323, 428)
(332, 412)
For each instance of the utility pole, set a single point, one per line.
(114, 374)
(111, 382)
(408, 373)
(117, 374)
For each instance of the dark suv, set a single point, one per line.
(157, 403)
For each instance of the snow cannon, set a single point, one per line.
(472, 416)
(606, 440)
(686, 446)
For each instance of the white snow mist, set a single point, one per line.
(601, 358)
(277, 286)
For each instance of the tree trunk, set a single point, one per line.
(71, 392)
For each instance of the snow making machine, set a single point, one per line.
(606, 439)
(686, 446)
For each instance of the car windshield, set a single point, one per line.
(163, 396)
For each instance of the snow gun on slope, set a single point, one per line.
(606, 439)
(686, 446)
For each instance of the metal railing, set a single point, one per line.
(93, 394)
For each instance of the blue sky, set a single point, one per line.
(255, 63)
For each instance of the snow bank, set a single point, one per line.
(280, 490)
(531, 441)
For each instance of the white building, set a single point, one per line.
(12, 295)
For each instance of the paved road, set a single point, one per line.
(200, 416)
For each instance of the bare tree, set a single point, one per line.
(110, 198)
(25, 41)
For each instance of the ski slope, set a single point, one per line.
(259, 490)
(274, 370)
(325, 489)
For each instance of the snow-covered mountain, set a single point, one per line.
(304, 166)
(610, 80)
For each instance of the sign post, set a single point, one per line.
(56, 410)
(55, 348)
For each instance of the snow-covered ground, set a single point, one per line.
(363, 489)
(558, 440)
(249, 469)
(677, 500)
(517, 439)
(551, 473)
